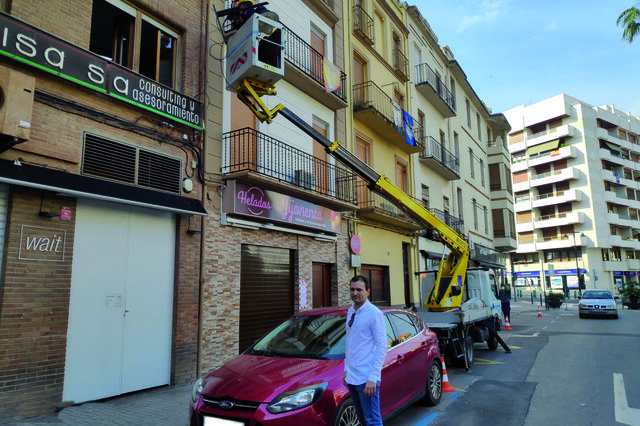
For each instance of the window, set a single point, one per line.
(486, 220)
(460, 204)
(468, 113)
(425, 196)
(404, 328)
(401, 176)
(475, 214)
(473, 173)
(482, 173)
(456, 144)
(127, 36)
(380, 34)
(478, 126)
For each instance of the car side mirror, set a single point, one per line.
(616, 298)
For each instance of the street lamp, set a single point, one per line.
(575, 252)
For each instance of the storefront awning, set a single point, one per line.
(543, 147)
(14, 173)
(614, 147)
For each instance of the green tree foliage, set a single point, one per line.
(630, 20)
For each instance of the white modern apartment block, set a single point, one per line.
(576, 185)
(463, 175)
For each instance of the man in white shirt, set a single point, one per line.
(366, 348)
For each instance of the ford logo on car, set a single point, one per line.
(226, 404)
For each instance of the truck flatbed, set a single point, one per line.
(455, 316)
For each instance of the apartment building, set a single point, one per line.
(276, 240)
(101, 126)
(462, 175)
(575, 181)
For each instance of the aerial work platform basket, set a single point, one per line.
(255, 52)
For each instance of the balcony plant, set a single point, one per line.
(630, 293)
(554, 299)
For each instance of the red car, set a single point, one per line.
(293, 375)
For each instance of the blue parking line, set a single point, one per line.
(427, 420)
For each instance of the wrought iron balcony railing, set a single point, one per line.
(401, 63)
(311, 62)
(363, 24)
(453, 222)
(435, 150)
(368, 199)
(368, 95)
(425, 75)
(247, 150)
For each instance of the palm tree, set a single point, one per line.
(630, 19)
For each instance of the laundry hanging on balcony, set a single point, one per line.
(408, 128)
(331, 76)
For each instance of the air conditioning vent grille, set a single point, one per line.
(120, 162)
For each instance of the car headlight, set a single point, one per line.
(198, 386)
(297, 399)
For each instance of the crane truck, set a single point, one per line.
(459, 315)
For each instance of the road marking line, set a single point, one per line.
(624, 413)
(486, 362)
(427, 420)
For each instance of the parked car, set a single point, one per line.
(597, 303)
(293, 375)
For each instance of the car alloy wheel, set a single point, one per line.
(347, 415)
(434, 384)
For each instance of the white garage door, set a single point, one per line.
(120, 313)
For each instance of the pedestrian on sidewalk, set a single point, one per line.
(366, 348)
(505, 300)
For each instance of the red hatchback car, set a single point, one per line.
(293, 375)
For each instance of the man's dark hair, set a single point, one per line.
(360, 278)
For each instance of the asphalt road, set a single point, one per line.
(562, 371)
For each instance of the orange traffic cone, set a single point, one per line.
(507, 326)
(445, 379)
(539, 312)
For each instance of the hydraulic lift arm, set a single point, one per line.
(446, 293)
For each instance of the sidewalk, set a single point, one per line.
(165, 406)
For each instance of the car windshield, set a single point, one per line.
(597, 295)
(306, 336)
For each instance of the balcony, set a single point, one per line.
(621, 219)
(437, 158)
(503, 242)
(304, 68)
(432, 88)
(558, 219)
(611, 266)
(553, 177)
(373, 206)
(523, 205)
(255, 157)
(526, 247)
(524, 227)
(623, 241)
(551, 243)
(363, 25)
(401, 64)
(561, 153)
(452, 222)
(542, 137)
(375, 109)
(557, 197)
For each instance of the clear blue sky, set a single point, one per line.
(517, 52)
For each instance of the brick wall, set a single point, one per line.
(34, 296)
(34, 309)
